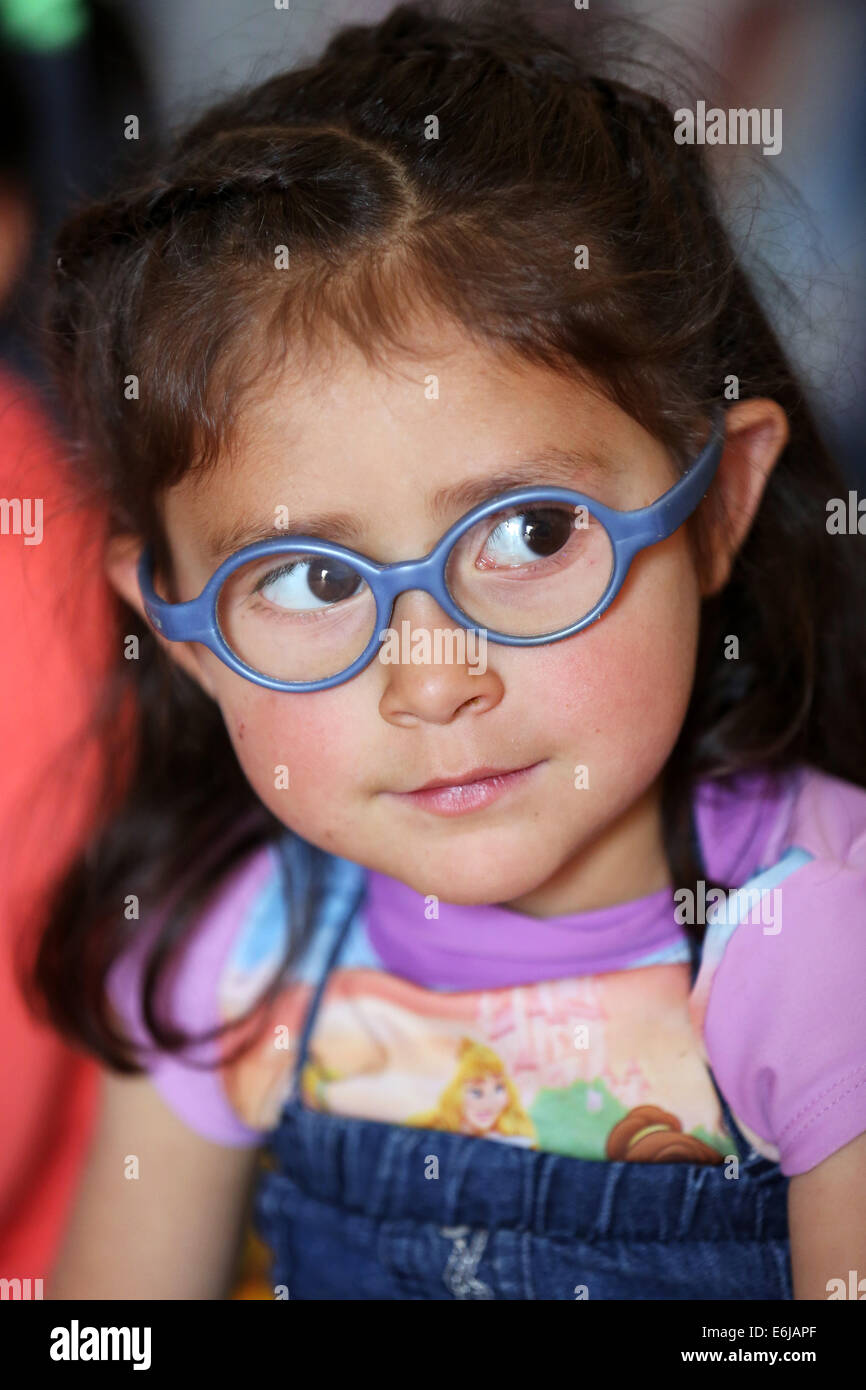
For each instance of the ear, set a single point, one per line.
(122, 555)
(756, 432)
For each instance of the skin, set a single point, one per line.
(370, 442)
(483, 1103)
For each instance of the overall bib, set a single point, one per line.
(360, 1209)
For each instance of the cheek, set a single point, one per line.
(618, 692)
(313, 737)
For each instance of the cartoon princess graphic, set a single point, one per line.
(481, 1099)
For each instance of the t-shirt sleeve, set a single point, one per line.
(195, 1093)
(785, 1025)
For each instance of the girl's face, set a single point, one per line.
(378, 448)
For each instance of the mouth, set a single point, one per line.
(468, 791)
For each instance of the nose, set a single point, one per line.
(434, 669)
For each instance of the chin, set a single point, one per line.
(497, 877)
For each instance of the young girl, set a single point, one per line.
(443, 337)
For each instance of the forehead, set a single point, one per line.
(348, 446)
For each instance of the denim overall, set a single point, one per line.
(350, 1209)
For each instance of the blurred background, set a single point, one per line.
(70, 72)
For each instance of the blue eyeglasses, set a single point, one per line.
(531, 566)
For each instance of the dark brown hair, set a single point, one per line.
(539, 147)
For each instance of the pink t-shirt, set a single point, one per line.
(577, 1034)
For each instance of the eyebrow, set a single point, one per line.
(552, 466)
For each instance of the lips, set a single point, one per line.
(478, 788)
(463, 779)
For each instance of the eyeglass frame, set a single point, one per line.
(196, 620)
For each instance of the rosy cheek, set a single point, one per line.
(305, 734)
(627, 678)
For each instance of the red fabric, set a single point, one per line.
(57, 634)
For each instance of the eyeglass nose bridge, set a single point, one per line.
(426, 575)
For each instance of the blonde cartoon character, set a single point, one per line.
(481, 1099)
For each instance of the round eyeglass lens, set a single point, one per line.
(295, 616)
(531, 569)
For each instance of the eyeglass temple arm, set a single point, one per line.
(662, 517)
(179, 622)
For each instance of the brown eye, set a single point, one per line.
(331, 581)
(529, 535)
(309, 581)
